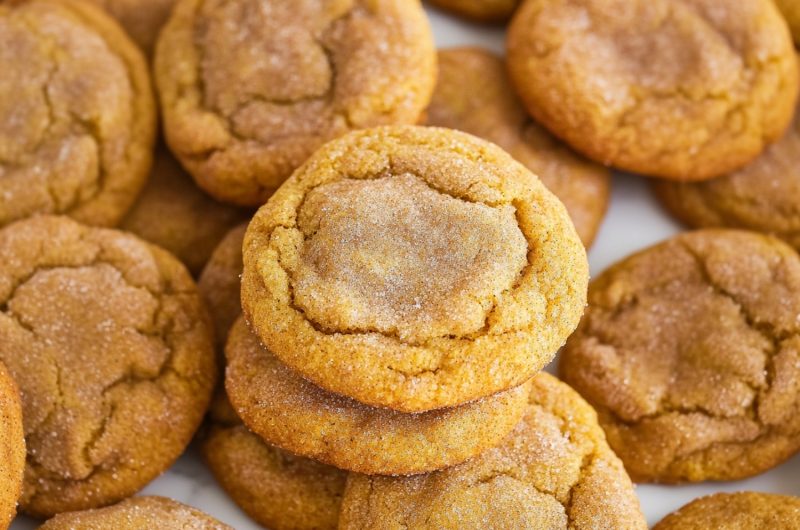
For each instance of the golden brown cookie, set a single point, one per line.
(553, 471)
(473, 95)
(250, 89)
(176, 215)
(690, 351)
(468, 273)
(137, 513)
(279, 490)
(722, 86)
(77, 117)
(479, 10)
(763, 196)
(294, 414)
(736, 511)
(109, 342)
(12, 447)
(791, 12)
(142, 19)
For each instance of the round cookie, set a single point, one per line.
(173, 213)
(736, 511)
(553, 471)
(77, 116)
(109, 342)
(473, 95)
(722, 87)
(289, 412)
(250, 89)
(690, 352)
(135, 514)
(12, 448)
(279, 490)
(468, 274)
(479, 10)
(141, 19)
(791, 12)
(763, 196)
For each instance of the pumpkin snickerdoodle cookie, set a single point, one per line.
(173, 213)
(142, 19)
(137, 513)
(108, 340)
(468, 275)
(722, 86)
(479, 10)
(279, 490)
(250, 89)
(690, 351)
(473, 95)
(12, 447)
(288, 411)
(736, 511)
(553, 471)
(77, 117)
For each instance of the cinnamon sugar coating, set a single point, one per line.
(736, 511)
(12, 447)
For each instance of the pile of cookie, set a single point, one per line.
(346, 261)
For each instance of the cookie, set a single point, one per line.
(176, 215)
(468, 274)
(473, 95)
(736, 511)
(12, 448)
(250, 89)
(279, 490)
(479, 10)
(135, 514)
(292, 413)
(77, 116)
(141, 19)
(109, 342)
(554, 470)
(690, 352)
(762, 196)
(791, 12)
(721, 88)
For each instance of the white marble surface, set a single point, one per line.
(634, 221)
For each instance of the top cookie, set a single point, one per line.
(480, 10)
(736, 511)
(12, 447)
(473, 95)
(722, 85)
(467, 277)
(77, 118)
(250, 89)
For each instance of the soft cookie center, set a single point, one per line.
(395, 256)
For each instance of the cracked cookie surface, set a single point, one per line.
(250, 89)
(690, 352)
(473, 95)
(479, 10)
(108, 340)
(12, 447)
(294, 414)
(721, 88)
(77, 116)
(279, 490)
(763, 196)
(142, 19)
(433, 210)
(137, 513)
(554, 470)
(736, 511)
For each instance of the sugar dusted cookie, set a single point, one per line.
(736, 511)
(12, 447)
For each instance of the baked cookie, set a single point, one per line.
(763, 196)
(12, 448)
(722, 86)
(468, 274)
(142, 19)
(109, 342)
(736, 511)
(791, 12)
(554, 471)
(250, 89)
(137, 513)
(690, 352)
(289, 412)
(277, 489)
(176, 215)
(479, 10)
(77, 117)
(473, 95)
